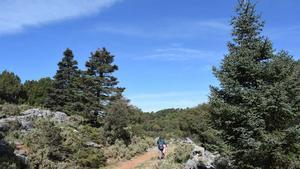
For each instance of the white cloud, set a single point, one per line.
(16, 15)
(180, 54)
(283, 32)
(173, 29)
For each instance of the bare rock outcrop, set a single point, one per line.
(25, 120)
(201, 158)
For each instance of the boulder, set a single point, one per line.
(201, 158)
(25, 120)
(93, 144)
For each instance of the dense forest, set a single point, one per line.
(252, 119)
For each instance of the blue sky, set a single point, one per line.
(164, 48)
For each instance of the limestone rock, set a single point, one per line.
(25, 120)
(93, 144)
(200, 158)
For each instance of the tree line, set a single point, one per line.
(71, 90)
(92, 93)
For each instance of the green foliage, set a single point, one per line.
(54, 145)
(258, 99)
(9, 110)
(79, 153)
(62, 96)
(8, 159)
(119, 150)
(183, 152)
(89, 158)
(37, 91)
(116, 122)
(177, 123)
(98, 83)
(10, 87)
(45, 142)
(169, 164)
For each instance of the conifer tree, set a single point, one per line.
(257, 103)
(62, 97)
(36, 92)
(117, 121)
(100, 86)
(10, 87)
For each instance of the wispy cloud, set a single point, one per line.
(172, 99)
(16, 15)
(283, 32)
(179, 54)
(171, 29)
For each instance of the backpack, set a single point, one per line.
(161, 143)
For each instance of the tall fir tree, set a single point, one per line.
(257, 103)
(63, 95)
(100, 86)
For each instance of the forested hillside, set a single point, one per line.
(252, 119)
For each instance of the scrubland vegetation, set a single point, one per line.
(252, 118)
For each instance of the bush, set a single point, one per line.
(24, 107)
(169, 164)
(9, 110)
(8, 159)
(89, 158)
(119, 150)
(63, 146)
(182, 152)
(222, 163)
(92, 134)
(45, 142)
(75, 142)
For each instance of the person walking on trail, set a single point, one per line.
(162, 147)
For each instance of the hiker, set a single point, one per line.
(162, 147)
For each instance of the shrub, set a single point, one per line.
(182, 152)
(89, 158)
(24, 107)
(169, 164)
(222, 163)
(63, 146)
(9, 110)
(8, 159)
(92, 134)
(119, 150)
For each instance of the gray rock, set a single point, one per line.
(191, 164)
(93, 144)
(26, 118)
(188, 140)
(200, 158)
(199, 151)
(4, 126)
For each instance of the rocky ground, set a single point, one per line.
(199, 158)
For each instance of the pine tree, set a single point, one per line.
(37, 91)
(117, 121)
(62, 97)
(257, 102)
(10, 87)
(100, 86)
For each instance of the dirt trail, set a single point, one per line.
(153, 153)
(149, 159)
